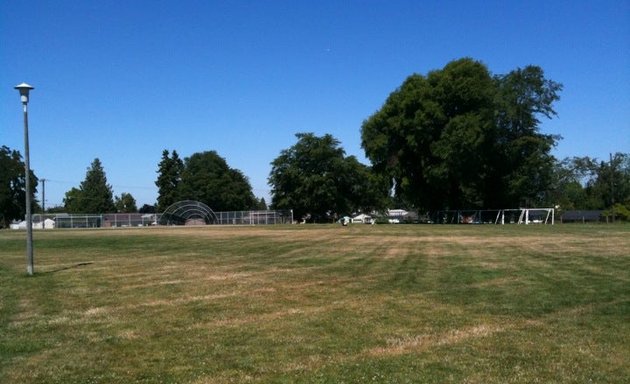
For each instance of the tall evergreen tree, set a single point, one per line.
(169, 178)
(94, 195)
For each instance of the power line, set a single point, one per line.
(112, 185)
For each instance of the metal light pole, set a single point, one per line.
(24, 90)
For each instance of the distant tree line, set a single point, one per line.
(456, 138)
(204, 177)
(592, 184)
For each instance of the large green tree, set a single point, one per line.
(126, 203)
(569, 178)
(73, 201)
(94, 195)
(206, 177)
(523, 154)
(12, 187)
(460, 137)
(612, 185)
(317, 180)
(169, 172)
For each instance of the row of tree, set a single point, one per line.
(204, 177)
(312, 177)
(588, 183)
(456, 138)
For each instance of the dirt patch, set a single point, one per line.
(496, 282)
(419, 343)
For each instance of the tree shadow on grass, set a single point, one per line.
(78, 265)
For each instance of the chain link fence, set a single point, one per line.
(123, 220)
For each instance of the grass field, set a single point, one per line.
(318, 304)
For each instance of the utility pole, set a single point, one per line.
(612, 187)
(43, 203)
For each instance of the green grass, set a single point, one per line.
(318, 304)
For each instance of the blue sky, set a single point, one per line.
(124, 80)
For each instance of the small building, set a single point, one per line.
(396, 216)
(362, 219)
(18, 225)
(46, 224)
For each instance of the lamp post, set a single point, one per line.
(24, 90)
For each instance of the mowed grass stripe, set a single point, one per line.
(317, 304)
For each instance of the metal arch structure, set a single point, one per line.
(187, 211)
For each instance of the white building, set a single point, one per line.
(363, 219)
(46, 224)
